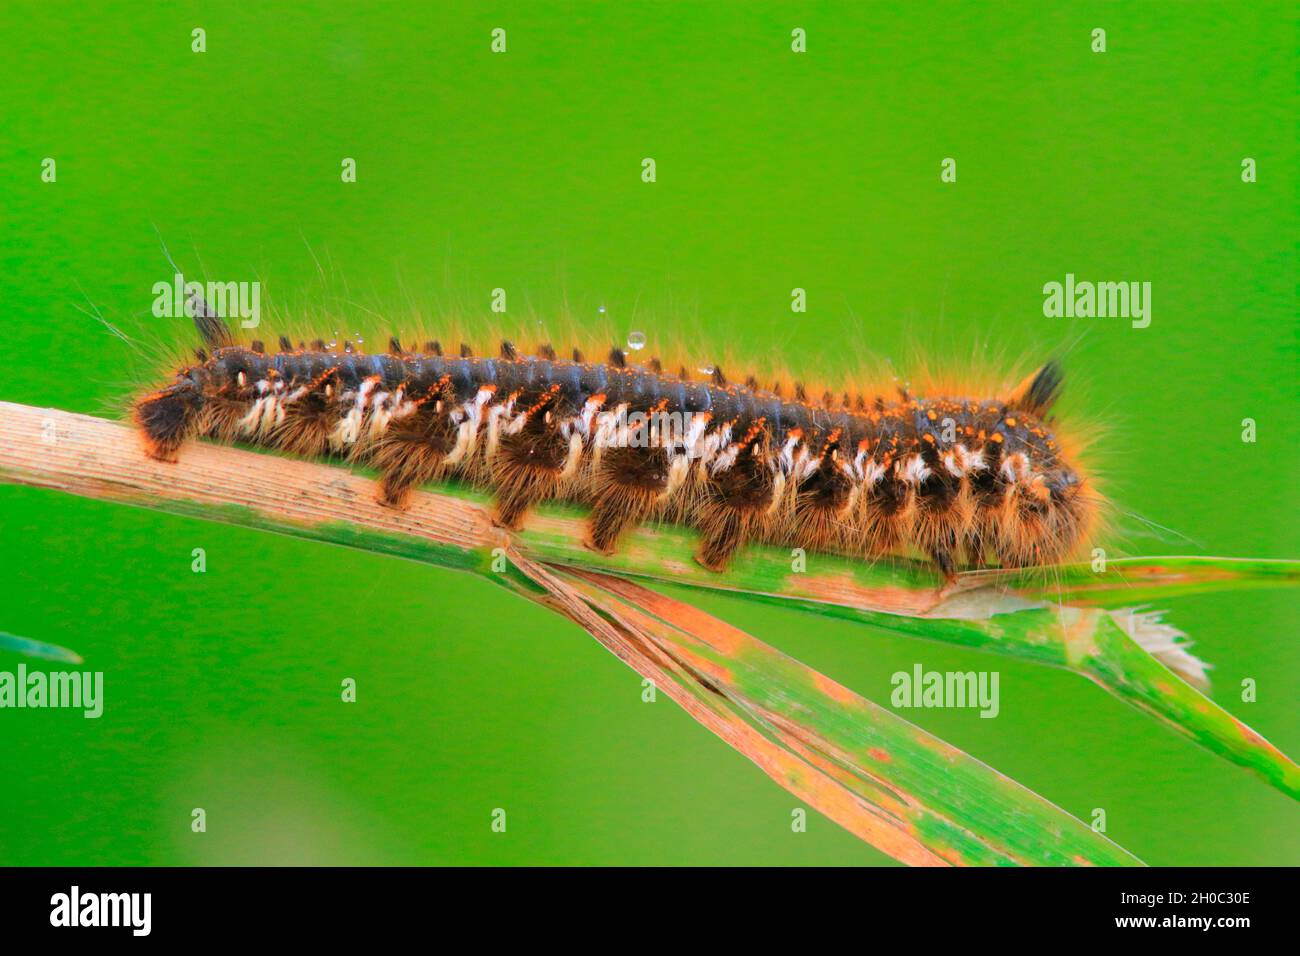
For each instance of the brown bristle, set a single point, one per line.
(630, 483)
(212, 330)
(526, 470)
(412, 452)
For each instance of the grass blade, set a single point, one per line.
(1102, 645)
(38, 649)
(1129, 581)
(921, 790)
(451, 528)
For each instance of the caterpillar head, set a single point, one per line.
(169, 417)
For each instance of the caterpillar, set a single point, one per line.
(960, 480)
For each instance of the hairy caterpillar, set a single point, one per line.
(959, 479)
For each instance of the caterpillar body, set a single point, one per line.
(960, 479)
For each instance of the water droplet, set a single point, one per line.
(636, 341)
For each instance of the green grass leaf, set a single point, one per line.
(38, 649)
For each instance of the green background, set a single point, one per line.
(522, 171)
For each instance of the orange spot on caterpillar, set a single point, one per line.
(547, 398)
(754, 431)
